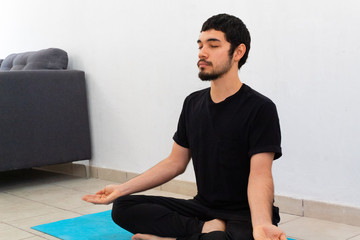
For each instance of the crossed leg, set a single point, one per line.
(209, 226)
(161, 218)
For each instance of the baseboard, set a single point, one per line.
(300, 207)
(289, 205)
(175, 186)
(74, 169)
(332, 212)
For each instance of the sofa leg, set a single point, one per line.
(87, 170)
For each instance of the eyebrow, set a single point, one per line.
(209, 40)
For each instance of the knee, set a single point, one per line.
(118, 218)
(120, 212)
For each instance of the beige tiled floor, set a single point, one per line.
(29, 198)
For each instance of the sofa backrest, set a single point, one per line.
(51, 58)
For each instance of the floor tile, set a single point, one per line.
(287, 218)
(25, 209)
(26, 223)
(13, 233)
(35, 238)
(41, 235)
(6, 198)
(355, 238)
(51, 195)
(90, 208)
(309, 229)
(29, 222)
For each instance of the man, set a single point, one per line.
(232, 134)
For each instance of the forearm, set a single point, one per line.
(261, 196)
(155, 176)
(164, 171)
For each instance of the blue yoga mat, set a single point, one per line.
(92, 226)
(88, 227)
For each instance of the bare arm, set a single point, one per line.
(162, 172)
(261, 188)
(261, 196)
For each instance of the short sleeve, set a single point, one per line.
(265, 135)
(180, 136)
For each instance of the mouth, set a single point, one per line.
(203, 64)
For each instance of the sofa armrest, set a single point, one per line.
(44, 118)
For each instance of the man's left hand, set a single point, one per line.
(268, 232)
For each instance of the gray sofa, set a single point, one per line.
(44, 116)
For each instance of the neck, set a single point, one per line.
(225, 86)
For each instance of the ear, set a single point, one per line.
(239, 52)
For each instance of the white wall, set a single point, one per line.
(140, 63)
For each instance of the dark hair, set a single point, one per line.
(235, 32)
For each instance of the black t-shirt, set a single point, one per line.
(222, 137)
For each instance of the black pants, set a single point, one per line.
(176, 218)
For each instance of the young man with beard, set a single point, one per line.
(232, 133)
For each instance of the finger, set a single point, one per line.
(86, 197)
(101, 192)
(96, 199)
(283, 237)
(89, 198)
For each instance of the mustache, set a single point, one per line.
(204, 61)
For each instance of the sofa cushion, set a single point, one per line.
(51, 58)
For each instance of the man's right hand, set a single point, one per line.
(104, 196)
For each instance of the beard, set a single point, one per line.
(215, 73)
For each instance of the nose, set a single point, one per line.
(203, 53)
